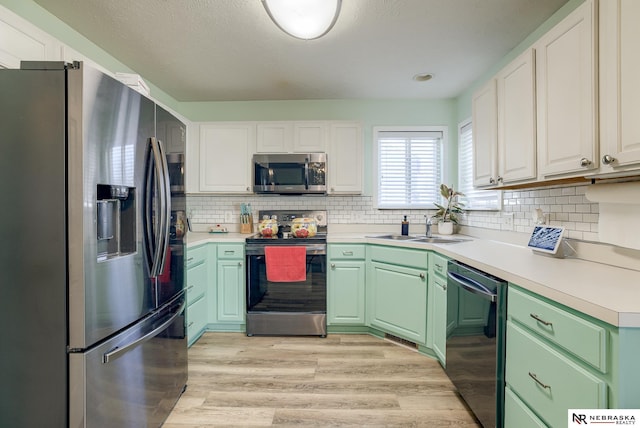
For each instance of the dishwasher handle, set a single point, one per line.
(472, 286)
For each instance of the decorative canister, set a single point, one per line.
(268, 227)
(304, 227)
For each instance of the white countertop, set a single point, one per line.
(608, 293)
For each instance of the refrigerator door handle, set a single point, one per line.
(165, 206)
(118, 351)
(156, 236)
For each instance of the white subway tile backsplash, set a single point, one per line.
(562, 205)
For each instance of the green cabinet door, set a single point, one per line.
(346, 293)
(230, 291)
(397, 300)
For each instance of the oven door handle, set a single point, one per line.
(472, 286)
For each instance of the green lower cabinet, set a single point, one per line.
(196, 280)
(438, 288)
(346, 293)
(397, 300)
(547, 381)
(230, 306)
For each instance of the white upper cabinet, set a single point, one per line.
(345, 158)
(21, 41)
(485, 138)
(225, 157)
(310, 137)
(619, 86)
(566, 96)
(292, 137)
(274, 137)
(517, 120)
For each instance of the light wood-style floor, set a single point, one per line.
(338, 381)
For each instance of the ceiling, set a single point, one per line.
(229, 50)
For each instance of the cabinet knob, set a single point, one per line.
(492, 181)
(500, 179)
(422, 276)
(608, 159)
(333, 265)
(239, 264)
(584, 162)
(248, 189)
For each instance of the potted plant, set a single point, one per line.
(448, 213)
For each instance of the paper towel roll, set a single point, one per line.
(615, 193)
(619, 218)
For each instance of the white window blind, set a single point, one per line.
(409, 168)
(474, 199)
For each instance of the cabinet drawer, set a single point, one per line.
(196, 282)
(517, 414)
(582, 338)
(548, 382)
(346, 251)
(196, 319)
(230, 251)
(196, 256)
(400, 256)
(438, 264)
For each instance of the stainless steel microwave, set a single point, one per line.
(290, 173)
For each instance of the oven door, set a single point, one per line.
(308, 296)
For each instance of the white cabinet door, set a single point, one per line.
(619, 85)
(485, 141)
(517, 120)
(345, 158)
(566, 96)
(274, 137)
(225, 157)
(20, 40)
(310, 137)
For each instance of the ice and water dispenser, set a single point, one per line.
(116, 221)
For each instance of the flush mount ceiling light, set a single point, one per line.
(303, 19)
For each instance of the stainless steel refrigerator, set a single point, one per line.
(91, 256)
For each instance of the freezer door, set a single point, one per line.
(134, 379)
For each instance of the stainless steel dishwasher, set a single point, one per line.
(476, 344)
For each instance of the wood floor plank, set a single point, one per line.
(338, 381)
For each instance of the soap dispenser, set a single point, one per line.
(405, 226)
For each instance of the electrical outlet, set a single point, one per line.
(507, 221)
(228, 216)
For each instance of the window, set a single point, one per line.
(409, 166)
(474, 199)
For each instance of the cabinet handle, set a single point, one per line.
(347, 253)
(537, 318)
(190, 324)
(492, 181)
(438, 266)
(500, 179)
(584, 162)
(189, 287)
(422, 276)
(608, 159)
(229, 252)
(333, 265)
(189, 259)
(534, 377)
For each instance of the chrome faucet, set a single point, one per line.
(428, 225)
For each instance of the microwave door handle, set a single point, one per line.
(306, 173)
(472, 286)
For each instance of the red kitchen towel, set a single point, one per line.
(286, 264)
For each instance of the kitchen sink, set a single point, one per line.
(440, 240)
(428, 240)
(396, 237)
